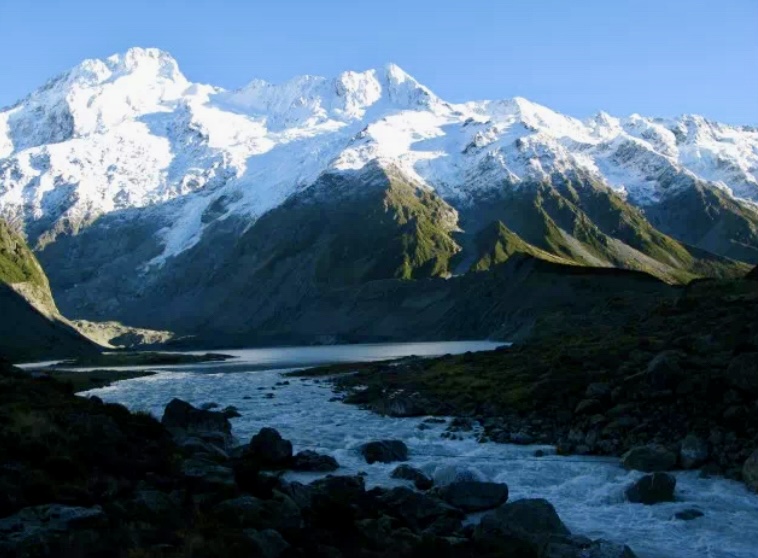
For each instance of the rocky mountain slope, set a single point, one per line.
(136, 186)
(31, 326)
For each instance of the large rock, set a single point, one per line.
(334, 501)
(269, 450)
(649, 459)
(183, 419)
(448, 474)
(652, 489)
(418, 511)
(267, 543)
(279, 513)
(405, 405)
(308, 460)
(580, 547)
(44, 530)
(418, 478)
(205, 475)
(750, 471)
(664, 371)
(520, 528)
(743, 372)
(693, 452)
(384, 451)
(474, 496)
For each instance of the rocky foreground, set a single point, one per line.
(680, 381)
(80, 477)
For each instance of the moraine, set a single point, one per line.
(587, 492)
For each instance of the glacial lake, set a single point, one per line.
(588, 493)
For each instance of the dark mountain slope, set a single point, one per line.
(30, 325)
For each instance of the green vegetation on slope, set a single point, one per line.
(582, 222)
(17, 262)
(386, 228)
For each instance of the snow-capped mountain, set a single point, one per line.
(129, 143)
(131, 131)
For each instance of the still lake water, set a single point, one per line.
(587, 492)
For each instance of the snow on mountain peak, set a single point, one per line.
(130, 130)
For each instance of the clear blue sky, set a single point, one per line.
(655, 57)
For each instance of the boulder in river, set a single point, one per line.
(581, 547)
(419, 479)
(474, 496)
(693, 452)
(309, 460)
(384, 451)
(447, 474)
(520, 528)
(269, 450)
(649, 459)
(183, 419)
(688, 514)
(750, 471)
(417, 510)
(652, 489)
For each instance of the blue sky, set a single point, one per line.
(654, 57)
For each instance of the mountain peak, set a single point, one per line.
(148, 62)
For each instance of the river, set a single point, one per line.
(587, 492)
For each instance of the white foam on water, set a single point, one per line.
(587, 492)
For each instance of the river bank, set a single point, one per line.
(82, 477)
(684, 377)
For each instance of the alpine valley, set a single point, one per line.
(360, 207)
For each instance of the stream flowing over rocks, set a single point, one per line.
(587, 494)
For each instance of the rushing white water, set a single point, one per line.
(587, 492)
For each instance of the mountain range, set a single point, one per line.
(301, 210)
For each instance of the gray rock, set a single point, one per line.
(750, 471)
(588, 407)
(694, 452)
(664, 370)
(417, 510)
(200, 447)
(33, 530)
(474, 496)
(520, 528)
(181, 418)
(688, 514)
(384, 451)
(230, 411)
(308, 460)
(649, 459)
(652, 489)
(269, 450)
(268, 543)
(208, 475)
(279, 513)
(156, 504)
(743, 372)
(598, 390)
(451, 473)
(404, 405)
(419, 479)
(580, 547)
